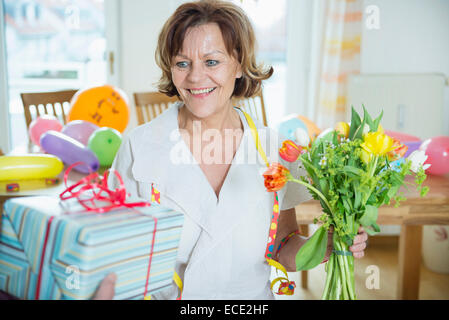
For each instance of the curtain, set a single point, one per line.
(337, 55)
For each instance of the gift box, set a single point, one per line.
(51, 249)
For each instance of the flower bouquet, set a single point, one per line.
(352, 170)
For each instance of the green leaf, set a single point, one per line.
(355, 123)
(369, 217)
(375, 229)
(368, 120)
(368, 220)
(377, 121)
(313, 251)
(358, 134)
(353, 170)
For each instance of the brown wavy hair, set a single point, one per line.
(238, 36)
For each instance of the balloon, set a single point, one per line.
(437, 150)
(70, 151)
(312, 128)
(288, 126)
(105, 142)
(326, 134)
(105, 106)
(42, 124)
(412, 146)
(401, 136)
(396, 165)
(80, 130)
(30, 166)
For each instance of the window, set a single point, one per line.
(269, 19)
(51, 45)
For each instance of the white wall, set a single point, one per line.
(141, 22)
(413, 38)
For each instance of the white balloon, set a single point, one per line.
(302, 137)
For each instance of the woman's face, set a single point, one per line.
(203, 72)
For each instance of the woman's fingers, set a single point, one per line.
(357, 247)
(359, 244)
(361, 237)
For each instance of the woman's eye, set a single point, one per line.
(211, 63)
(182, 64)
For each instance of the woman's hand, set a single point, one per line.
(359, 243)
(106, 289)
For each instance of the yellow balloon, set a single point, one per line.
(105, 106)
(30, 166)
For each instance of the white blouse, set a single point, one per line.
(222, 246)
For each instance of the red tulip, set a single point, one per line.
(275, 177)
(290, 151)
(398, 152)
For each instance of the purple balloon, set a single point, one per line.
(69, 151)
(412, 146)
(80, 130)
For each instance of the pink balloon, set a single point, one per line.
(437, 150)
(80, 130)
(41, 125)
(403, 137)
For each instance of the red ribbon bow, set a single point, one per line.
(94, 188)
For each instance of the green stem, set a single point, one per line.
(290, 178)
(373, 168)
(349, 272)
(329, 267)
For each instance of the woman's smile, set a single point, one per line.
(201, 92)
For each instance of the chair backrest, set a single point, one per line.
(36, 104)
(254, 105)
(151, 104)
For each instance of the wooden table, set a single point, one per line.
(411, 215)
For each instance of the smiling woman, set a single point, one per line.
(237, 35)
(206, 51)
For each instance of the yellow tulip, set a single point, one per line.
(342, 128)
(377, 143)
(380, 128)
(366, 156)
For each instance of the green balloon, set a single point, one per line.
(105, 142)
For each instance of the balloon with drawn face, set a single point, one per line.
(105, 106)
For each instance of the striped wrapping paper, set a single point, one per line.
(83, 247)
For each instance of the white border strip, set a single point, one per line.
(5, 143)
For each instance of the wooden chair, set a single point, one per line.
(151, 104)
(36, 104)
(254, 105)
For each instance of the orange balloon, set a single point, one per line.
(312, 128)
(105, 106)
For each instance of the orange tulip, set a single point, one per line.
(275, 177)
(290, 151)
(398, 152)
